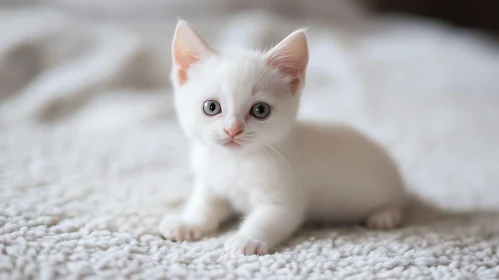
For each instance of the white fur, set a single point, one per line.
(284, 173)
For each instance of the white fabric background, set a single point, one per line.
(91, 155)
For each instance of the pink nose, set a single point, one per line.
(235, 130)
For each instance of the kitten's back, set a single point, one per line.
(345, 173)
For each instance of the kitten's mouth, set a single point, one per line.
(231, 143)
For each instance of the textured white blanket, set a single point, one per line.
(91, 156)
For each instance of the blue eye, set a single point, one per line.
(260, 110)
(212, 108)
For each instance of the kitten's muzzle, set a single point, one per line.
(234, 130)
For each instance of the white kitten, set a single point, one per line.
(251, 157)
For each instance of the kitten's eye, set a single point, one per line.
(260, 110)
(211, 108)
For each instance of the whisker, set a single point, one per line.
(264, 159)
(283, 149)
(270, 157)
(281, 145)
(180, 160)
(290, 170)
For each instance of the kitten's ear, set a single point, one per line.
(290, 56)
(187, 48)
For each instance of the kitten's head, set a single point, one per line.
(237, 102)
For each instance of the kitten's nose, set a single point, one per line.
(234, 130)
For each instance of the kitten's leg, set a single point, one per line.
(264, 228)
(385, 218)
(202, 215)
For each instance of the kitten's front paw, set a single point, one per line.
(178, 230)
(247, 246)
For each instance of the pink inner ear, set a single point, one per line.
(285, 66)
(296, 73)
(291, 58)
(187, 48)
(294, 84)
(182, 76)
(183, 62)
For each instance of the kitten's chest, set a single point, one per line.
(240, 181)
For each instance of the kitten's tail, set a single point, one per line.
(421, 211)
